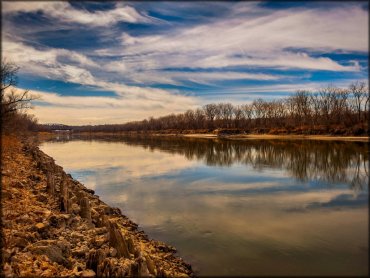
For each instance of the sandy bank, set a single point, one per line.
(285, 137)
(46, 135)
(54, 226)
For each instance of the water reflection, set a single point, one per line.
(236, 207)
(331, 162)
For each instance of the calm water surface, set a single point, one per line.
(257, 207)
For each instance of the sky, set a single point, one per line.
(114, 62)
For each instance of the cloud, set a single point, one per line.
(182, 77)
(64, 12)
(133, 103)
(50, 62)
(260, 40)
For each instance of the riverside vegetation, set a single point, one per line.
(328, 111)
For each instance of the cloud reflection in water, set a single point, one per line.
(241, 208)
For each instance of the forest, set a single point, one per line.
(330, 110)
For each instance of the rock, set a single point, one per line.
(166, 248)
(47, 273)
(20, 242)
(115, 211)
(25, 218)
(143, 268)
(151, 265)
(8, 271)
(99, 241)
(6, 172)
(34, 178)
(42, 198)
(75, 209)
(113, 252)
(80, 251)
(64, 196)
(43, 212)
(100, 231)
(57, 221)
(50, 184)
(85, 209)
(94, 214)
(54, 253)
(92, 192)
(6, 254)
(87, 273)
(130, 245)
(77, 235)
(44, 265)
(117, 240)
(40, 226)
(95, 258)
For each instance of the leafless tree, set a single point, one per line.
(12, 100)
(210, 111)
(358, 90)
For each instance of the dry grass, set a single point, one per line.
(10, 146)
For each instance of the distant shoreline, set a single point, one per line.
(228, 136)
(285, 137)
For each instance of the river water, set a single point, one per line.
(254, 207)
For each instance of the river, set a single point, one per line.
(253, 207)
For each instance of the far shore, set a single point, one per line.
(228, 136)
(285, 137)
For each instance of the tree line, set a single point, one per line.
(327, 110)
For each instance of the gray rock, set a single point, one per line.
(53, 252)
(20, 242)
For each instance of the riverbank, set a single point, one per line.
(210, 135)
(282, 137)
(54, 226)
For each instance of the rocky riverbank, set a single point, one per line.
(54, 226)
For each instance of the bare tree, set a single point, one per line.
(238, 116)
(11, 100)
(248, 112)
(226, 113)
(199, 118)
(358, 91)
(210, 111)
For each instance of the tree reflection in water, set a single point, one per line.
(323, 161)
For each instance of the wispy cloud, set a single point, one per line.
(257, 40)
(63, 11)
